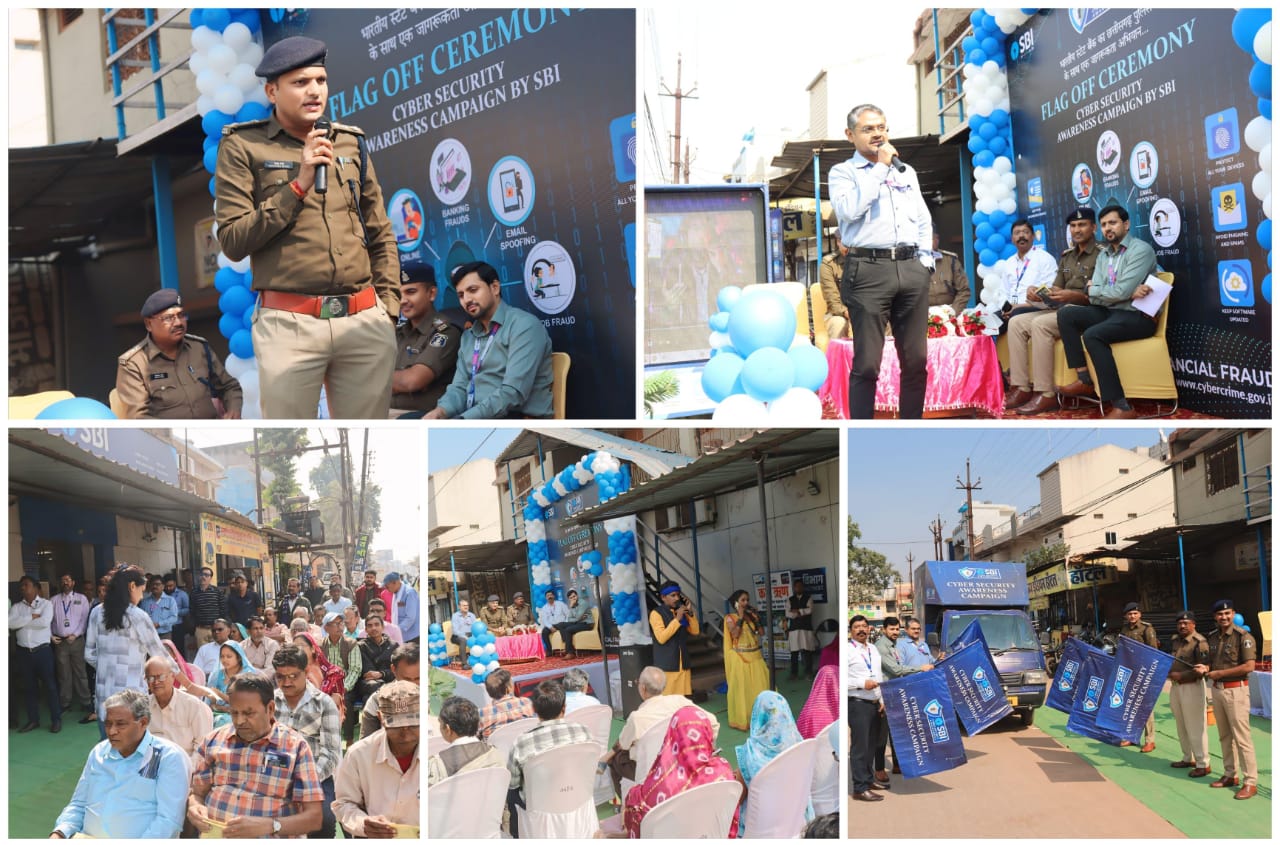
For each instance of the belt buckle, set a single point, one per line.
(333, 306)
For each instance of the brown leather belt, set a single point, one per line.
(320, 307)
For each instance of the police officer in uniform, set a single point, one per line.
(1231, 655)
(829, 274)
(171, 374)
(949, 285)
(494, 616)
(1135, 629)
(426, 345)
(519, 613)
(1187, 696)
(325, 261)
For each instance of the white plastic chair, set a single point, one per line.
(704, 812)
(779, 793)
(558, 793)
(505, 736)
(469, 805)
(646, 748)
(825, 790)
(598, 718)
(436, 744)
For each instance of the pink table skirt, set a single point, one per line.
(519, 647)
(964, 373)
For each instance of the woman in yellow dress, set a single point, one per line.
(744, 665)
(673, 623)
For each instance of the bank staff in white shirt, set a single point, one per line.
(864, 711)
(32, 619)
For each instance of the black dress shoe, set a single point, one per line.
(28, 727)
(57, 726)
(878, 785)
(867, 796)
(88, 718)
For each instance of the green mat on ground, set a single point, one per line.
(1189, 804)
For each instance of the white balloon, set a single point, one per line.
(718, 339)
(249, 381)
(1264, 159)
(204, 104)
(1261, 185)
(967, 71)
(983, 107)
(209, 81)
(258, 95)
(229, 98)
(1010, 180)
(197, 63)
(243, 77)
(983, 270)
(222, 58)
(241, 266)
(223, 261)
(252, 54)
(797, 406)
(1258, 133)
(237, 36)
(237, 366)
(1002, 165)
(252, 410)
(740, 409)
(1266, 206)
(213, 227)
(1262, 43)
(1008, 205)
(986, 205)
(203, 39)
(493, 666)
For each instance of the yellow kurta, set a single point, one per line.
(746, 672)
(679, 682)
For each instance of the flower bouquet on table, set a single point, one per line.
(979, 319)
(942, 321)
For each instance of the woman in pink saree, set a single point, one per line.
(823, 706)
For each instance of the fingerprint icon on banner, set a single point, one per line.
(631, 149)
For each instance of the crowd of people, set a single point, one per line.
(256, 734)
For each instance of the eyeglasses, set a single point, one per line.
(170, 319)
(155, 679)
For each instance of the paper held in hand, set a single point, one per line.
(1150, 304)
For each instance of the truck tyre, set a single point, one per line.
(1028, 717)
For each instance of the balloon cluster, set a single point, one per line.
(1251, 30)
(437, 646)
(1238, 621)
(482, 652)
(592, 563)
(759, 367)
(76, 408)
(226, 49)
(626, 582)
(986, 97)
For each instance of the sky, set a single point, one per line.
(751, 66)
(901, 480)
(455, 446)
(396, 456)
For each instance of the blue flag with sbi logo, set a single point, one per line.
(1062, 692)
(1133, 688)
(975, 687)
(922, 721)
(1091, 690)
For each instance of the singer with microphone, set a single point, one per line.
(744, 665)
(299, 196)
(886, 226)
(673, 622)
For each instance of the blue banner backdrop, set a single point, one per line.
(505, 136)
(922, 721)
(1133, 688)
(1090, 691)
(1062, 692)
(975, 687)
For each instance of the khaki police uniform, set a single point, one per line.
(152, 385)
(495, 620)
(837, 316)
(1231, 703)
(949, 285)
(433, 343)
(1040, 328)
(337, 245)
(519, 615)
(1187, 695)
(1144, 633)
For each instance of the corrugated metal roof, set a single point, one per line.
(937, 165)
(652, 460)
(481, 557)
(725, 470)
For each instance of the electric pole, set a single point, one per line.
(968, 485)
(680, 96)
(935, 528)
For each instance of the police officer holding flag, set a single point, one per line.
(1231, 656)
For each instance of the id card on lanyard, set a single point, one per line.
(477, 360)
(1113, 262)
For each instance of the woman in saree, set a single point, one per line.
(744, 666)
(773, 731)
(232, 662)
(823, 706)
(321, 673)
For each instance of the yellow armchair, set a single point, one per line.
(29, 407)
(452, 647)
(589, 640)
(819, 317)
(560, 363)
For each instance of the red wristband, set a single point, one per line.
(297, 190)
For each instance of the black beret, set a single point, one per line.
(1223, 604)
(1133, 605)
(290, 54)
(493, 598)
(160, 301)
(423, 273)
(1081, 213)
(1186, 614)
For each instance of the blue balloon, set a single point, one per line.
(998, 58)
(722, 377)
(478, 627)
(210, 141)
(986, 257)
(728, 297)
(596, 570)
(1264, 234)
(197, 18)
(1245, 26)
(986, 158)
(213, 122)
(1009, 251)
(976, 57)
(760, 320)
(990, 46)
(1266, 288)
(235, 300)
(1029, 11)
(434, 627)
(242, 344)
(229, 324)
(987, 130)
(217, 19)
(226, 278)
(76, 408)
(249, 17)
(975, 18)
(983, 231)
(719, 321)
(1260, 80)
(1238, 620)
(211, 160)
(213, 186)
(998, 219)
(252, 110)
(998, 146)
(1264, 107)
(996, 242)
(969, 44)
(999, 117)
(811, 366)
(976, 144)
(248, 316)
(767, 374)
(980, 217)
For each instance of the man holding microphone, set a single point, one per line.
(886, 226)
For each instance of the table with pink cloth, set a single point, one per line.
(519, 647)
(964, 374)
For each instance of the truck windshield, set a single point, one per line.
(1001, 632)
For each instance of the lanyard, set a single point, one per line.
(1113, 260)
(866, 657)
(1022, 270)
(66, 611)
(477, 359)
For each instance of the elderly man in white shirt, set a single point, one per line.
(554, 612)
(378, 781)
(176, 715)
(865, 707)
(654, 712)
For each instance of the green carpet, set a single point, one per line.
(1189, 804)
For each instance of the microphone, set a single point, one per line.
(322, 170)
(893, 160)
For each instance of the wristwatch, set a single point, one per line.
(275, 827)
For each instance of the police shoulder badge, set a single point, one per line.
(438, 340)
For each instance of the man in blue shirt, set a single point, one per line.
(184, 610)
(134, 784)
(460, 626)
(404, 606)
(161, 607)
(504, 361)
(912, 649)
(1119, 278)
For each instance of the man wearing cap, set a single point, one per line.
(948, 285)
(519, 614)
(324, 261)
(404, 606)
(170, 374)
(674, 622)
(1032, 335)
(1135, 629)
(426, 344)
(493, 616)
(1231, 657)
(829, 273)
(378, 781)
(1187, 696)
